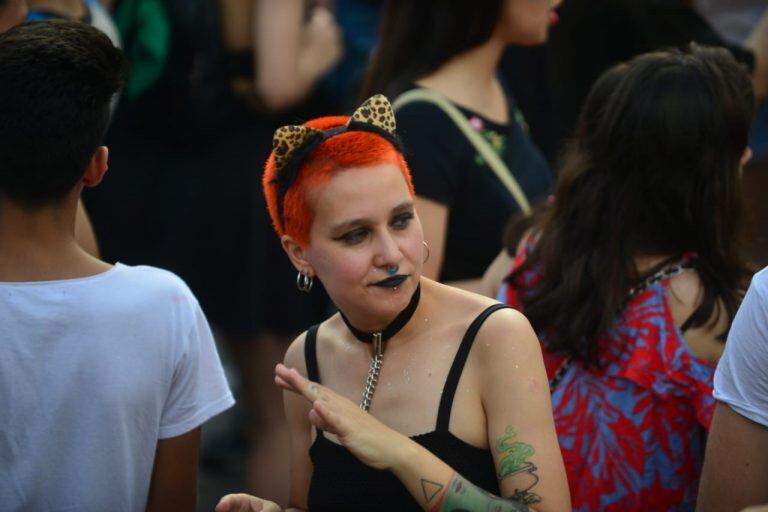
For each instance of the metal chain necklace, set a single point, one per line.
(374, 370)
(377, 339)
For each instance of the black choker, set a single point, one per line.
(393, 328)
(378, 339)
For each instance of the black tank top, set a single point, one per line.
(340, 482)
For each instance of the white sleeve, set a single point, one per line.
(199, 389)
(741, 378)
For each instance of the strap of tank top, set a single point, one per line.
(452, 381)
(310, 353)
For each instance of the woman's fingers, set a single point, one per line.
(292, 380)
(323, 418)
(318, 422)
(328, 417)
(281, 383)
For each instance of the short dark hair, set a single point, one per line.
(58, 79)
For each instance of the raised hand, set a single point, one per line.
(372, 442)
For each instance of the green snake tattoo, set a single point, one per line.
(514, 461)
(513, 455)
(461, 495)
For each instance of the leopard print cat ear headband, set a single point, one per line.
(293, 144)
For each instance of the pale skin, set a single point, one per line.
(292, 52)
(735, 473)
(352, 240)
(469, 79)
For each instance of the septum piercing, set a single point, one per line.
(393, 270)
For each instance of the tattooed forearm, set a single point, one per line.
(460, 495)
(463, 496)
(431, 489)
(513, 457)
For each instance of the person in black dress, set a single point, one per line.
(453, 402)
(463, 203)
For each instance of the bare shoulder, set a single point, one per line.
(685, 292)
(505, 334)
(454, 301)
(684, 295)
(503, 331)
(294, 356)
(327, 333)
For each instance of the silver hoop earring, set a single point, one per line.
(426, 246)
(304, 281)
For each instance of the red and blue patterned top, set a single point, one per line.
(632, 431)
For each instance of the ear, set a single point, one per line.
(97, 167)
(297, 255)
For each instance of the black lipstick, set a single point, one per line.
(391, 282)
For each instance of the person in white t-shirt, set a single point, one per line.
(106, 372)
(735, 471)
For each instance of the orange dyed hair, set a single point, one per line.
(349, 149)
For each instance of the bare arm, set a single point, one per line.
(528, 460)
(297, 413)
(174, 475)
(526, 452)
(735, 471)
(292, 55)
(684, 295)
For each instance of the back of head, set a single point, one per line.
(666, 144)
(653, 171)
(416, 38)
(58, 78)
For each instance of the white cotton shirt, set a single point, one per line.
(741, 378)
(733, 20)
(93, 371)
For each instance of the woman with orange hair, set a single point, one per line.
(453, 399)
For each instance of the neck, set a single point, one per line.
(469, 78)
(39, 244)
(389, 328)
